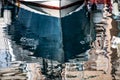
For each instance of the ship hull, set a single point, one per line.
(58, 38)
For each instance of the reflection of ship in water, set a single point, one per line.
(58, 32)
(37, 29)
(115, 41)
(6, 55)
(22, 71)
(5, 58)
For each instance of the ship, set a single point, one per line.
(59, 29)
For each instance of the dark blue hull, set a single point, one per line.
(58, 38)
